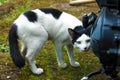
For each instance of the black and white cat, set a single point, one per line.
(33, 28)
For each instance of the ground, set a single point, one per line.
(8, 70)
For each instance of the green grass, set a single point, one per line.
(3, 1)
(47, 57)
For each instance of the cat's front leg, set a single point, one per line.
(60, 58)
(71, 56)
(62, 65)
(75, 64)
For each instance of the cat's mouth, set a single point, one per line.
(85, 50)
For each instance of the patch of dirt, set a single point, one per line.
(81, 8)
(5, 8)
(7, 71)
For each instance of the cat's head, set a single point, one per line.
(80, 38)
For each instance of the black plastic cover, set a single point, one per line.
(115, 4)
(106, 38)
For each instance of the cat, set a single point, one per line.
(33, 28)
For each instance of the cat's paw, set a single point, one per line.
(38, 71)
(75, 64)
(63, 65)
(84, 78)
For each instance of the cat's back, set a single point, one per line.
(70, 20)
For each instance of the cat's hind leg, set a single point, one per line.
(35, 44)
(23, 49)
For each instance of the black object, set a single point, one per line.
(88, 19)
(105, 37)
(113, 4)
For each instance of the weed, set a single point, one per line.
(4, 48)
(3, 1)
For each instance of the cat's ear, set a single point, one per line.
(71, 32)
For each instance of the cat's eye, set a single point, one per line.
(78, 42)
(88, 40)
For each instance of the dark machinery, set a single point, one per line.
(105, 35)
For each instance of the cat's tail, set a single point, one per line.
(18, 60)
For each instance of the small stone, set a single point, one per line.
(8, 77)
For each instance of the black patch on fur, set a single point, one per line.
(14, 48)
(56, 13)
(78, 31)
(31, 16)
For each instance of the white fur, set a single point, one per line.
(84, 78)
(34, 35)
(82, 43)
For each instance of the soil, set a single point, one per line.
(81, 8)
(7, 71)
